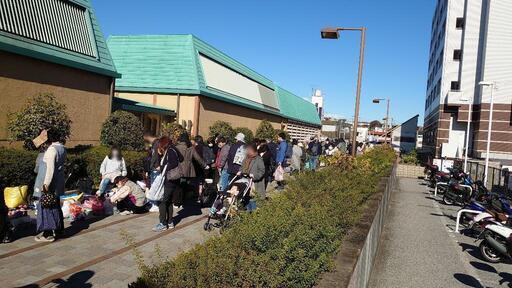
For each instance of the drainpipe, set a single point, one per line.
(195, 125)
(178, 108)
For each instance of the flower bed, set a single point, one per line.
(290, 240)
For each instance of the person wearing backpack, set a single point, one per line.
(314, 150)
(236, 155)
(171, 160)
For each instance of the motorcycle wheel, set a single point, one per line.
(447, 200)
(489, 254)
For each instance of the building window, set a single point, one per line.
(459, 23)
(455, 86)
(457, 54)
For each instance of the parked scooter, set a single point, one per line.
(496, 243)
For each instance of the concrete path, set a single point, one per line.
(95, 253)
(419, 247)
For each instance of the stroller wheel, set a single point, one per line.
(206, 226)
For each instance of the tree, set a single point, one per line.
(40, 112)
(124, 130)
(222, 128)
(265, 130)
(375, 124)
(172, 130)
(249, 136)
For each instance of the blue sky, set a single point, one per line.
(280, 39)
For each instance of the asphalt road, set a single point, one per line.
(419, 247)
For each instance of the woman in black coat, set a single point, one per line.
(266, 155)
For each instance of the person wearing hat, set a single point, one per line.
(236, 155)
(128, 196)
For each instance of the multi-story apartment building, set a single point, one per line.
(471, 42)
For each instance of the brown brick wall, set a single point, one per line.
(86, 95)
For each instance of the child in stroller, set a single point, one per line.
(227, 203)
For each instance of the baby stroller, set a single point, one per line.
(228, 203)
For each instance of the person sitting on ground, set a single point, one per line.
(128, 196)
(112, 166)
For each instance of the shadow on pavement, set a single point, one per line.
(483, 267)
(505, 278)
(189, 209)
(79, 279)
(467, 280)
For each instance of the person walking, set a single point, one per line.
(221, 163)
(171, 159)
(281, 156)
(112, 166)
(50, 220)
(236, 155)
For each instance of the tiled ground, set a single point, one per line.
(96, 254)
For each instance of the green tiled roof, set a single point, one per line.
(103, 64)
(296, 108)
(171, 64)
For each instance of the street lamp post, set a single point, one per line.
(489, 129)
(468, 129)
(333, 33)
(386, 122)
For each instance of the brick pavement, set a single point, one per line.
(99, 257)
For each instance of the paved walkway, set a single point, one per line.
(419, 247)
(95, 253)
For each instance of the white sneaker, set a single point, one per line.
(126, 212)
(153, 209)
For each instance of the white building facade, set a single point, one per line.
(471, 42)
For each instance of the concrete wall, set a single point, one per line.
(86, 95)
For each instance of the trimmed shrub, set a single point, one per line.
(40, 112)
(286, 134)
(265, 130)
(222, 128)
(17, 167)
(172, 130)
(124, 130)
(410, 158)
(249, 136)
(289, 241)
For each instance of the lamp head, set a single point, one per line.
(329, 33)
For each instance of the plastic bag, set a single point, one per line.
(75, 210)
(95, 205)
(156, 192)
(15, 196)
(65, 208)
(279, 174)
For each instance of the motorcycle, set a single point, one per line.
(496, 243)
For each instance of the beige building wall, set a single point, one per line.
(212, 110)
(86, 95)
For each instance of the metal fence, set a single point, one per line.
(497, 180)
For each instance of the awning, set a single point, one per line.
(130, 105)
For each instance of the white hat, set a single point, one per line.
(240, 137)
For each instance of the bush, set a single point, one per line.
(17, 167)
(124, 130)
(249, 136)
(410, 158)
(288, 242)
(93, 156)
(265, 130)
(40, 112)
(172, 130)
(222, 128)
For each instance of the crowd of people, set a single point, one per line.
(175, 167)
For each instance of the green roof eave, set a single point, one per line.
(157, 90)
(56, 55)
(129, 105)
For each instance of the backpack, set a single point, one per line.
(239, 155)
(289, 151)
(315, 149)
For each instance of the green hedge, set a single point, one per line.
(289, 241)
(17, 166)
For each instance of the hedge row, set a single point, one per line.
(289, 241)
(17, 166)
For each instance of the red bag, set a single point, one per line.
(75, 210)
